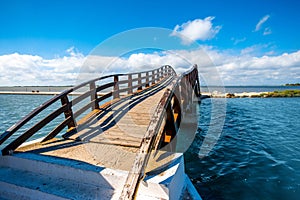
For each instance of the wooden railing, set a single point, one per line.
(115, 87)
(163, 126)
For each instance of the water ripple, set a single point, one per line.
(257, 155)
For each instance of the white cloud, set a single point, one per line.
(198, 29)
(23, 69)
(251, 70)
(215, 66)
(238, 40)
(261, 22)
(267, 31)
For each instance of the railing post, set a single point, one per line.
(94, 96)
(147, 79)
(68, 112)
(168, 71)
(116, 93)
(157, 75)
(130, 84)
(140, 81)
(153, 77)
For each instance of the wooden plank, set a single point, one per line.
(119, 143)
(138, 169)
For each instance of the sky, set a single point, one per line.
(246, 42)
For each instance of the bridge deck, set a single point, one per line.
(109, 137)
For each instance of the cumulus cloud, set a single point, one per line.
(215, 67)
(251, 70)
(23, 69)
(198, 29)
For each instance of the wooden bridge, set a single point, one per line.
(116, 123)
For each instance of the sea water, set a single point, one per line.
(256, 156)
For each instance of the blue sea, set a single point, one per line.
(256, 154)
(241, 89)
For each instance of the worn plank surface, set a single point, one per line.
(108, 137)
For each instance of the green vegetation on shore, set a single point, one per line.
(284, 93)
(292, 84)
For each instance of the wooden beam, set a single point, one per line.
(130, 84)
(68, 112)
(94, 96)
(116, 87)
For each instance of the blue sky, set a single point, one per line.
(240, 29)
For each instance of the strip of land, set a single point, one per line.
(284, 93)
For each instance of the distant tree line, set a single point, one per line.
(292, 84)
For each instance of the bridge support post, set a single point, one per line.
(94, 96)
(147, 79)
(116, 93)
(130, 84)
(140, 81)
(68, 112)
(153, 77)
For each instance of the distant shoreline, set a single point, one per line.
(274, 94)
(285, 93)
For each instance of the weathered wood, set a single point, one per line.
(68, 112)
(153, 78)
(105, 86)
(142, 157)
(167, 117)
(94, 96)
(140, 81)
(147, 79)
(130, 84)
(116, 93)
(106, 96)
(84, 108)
(69, 116)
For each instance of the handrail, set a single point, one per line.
(163, 126)
(149, 78)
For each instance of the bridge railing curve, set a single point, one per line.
(115, 87)
(164, 125)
